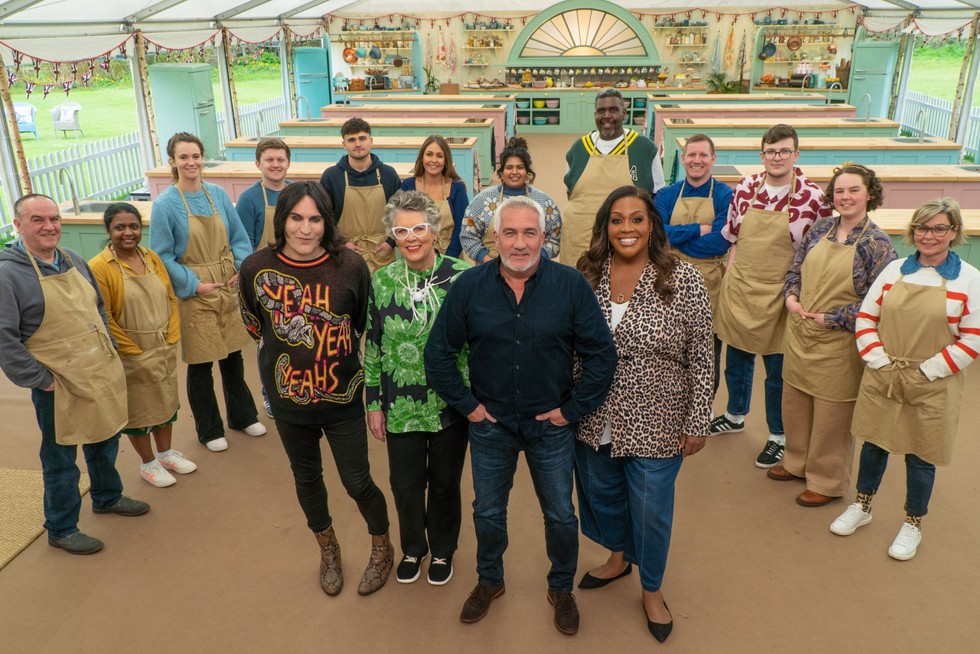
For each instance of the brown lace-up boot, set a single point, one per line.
(379, 567)
(331, 575)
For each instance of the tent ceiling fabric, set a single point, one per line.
(72, 30)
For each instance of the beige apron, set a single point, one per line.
(701, 211)
(268, 230)
(446, 223)
(819, 361)
(897, 408)
(603, 174)
(751, 310)
(151, 376)
(211, 325)
(73, 344)
(361, 221)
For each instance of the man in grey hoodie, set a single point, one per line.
(37, 322)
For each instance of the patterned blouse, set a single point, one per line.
(479, 218)
(402, 306)
(663, 383)
(805, 207)
(874, 252)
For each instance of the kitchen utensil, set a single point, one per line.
(350, 55)
(375, 53)
(540, 120)
(551, 104)
(538, 104)
(523, 120)
(397, 62)
(361, 52)
(794, 43)
(832, 47)
(553, 120)
(768, 50)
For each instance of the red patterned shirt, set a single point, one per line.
(805, 207)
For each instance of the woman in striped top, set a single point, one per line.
(909, 401)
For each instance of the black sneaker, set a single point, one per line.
(771, 454)
(409, 569)
(722, 424)
(440, 570)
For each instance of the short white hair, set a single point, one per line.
(519, 201)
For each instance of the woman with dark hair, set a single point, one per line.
(436, 176)
(304, 300)
(143, 320)
(917, 331)
(629, 451)
(516, 176)
(196, 231)
(838, 260)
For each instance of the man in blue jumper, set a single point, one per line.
(694, 210)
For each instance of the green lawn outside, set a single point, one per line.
(111, 111)
(938, 78)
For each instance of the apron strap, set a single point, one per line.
(64, 255)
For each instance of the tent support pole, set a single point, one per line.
(287, 67)
(227, 76)
(12, 150)
(960, 100)
(149, 139)
(963, 128)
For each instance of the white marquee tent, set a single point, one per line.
(77, 30)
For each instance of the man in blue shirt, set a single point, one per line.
(524, 319)
(257, 203)
(694, 210)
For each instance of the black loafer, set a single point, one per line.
(589, 582)
(661, 630)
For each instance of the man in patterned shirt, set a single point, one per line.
(751, 313)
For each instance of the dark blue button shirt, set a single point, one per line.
(521, 355)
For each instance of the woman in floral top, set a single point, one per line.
(426, 439)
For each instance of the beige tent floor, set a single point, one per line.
(224, 561)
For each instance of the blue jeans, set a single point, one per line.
(739, 368)
(919, 477)
(494, 450)
(62, 501)
(627, 505)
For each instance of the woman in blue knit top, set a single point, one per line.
(196, 231)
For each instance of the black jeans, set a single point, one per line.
(239, 404)
(435, 459)
(348, 444)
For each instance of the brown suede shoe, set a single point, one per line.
(379, 565)
(331, 574)
(779, 473)
(566, 611)
(477, 605)
(810, 498)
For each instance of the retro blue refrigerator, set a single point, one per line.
(183, 101)
(311, 68)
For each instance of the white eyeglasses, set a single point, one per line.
(401, 233)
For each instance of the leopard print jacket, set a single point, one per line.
(663, 383)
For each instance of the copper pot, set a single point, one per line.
(832, 48)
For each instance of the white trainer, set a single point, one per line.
(174, 460)
(258, 429)
(848, 521)
(906, 543)
(218, 444)
(157, 475)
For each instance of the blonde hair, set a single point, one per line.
(930, 210)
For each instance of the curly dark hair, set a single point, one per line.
(876, 194)
(516, 147)
(600, 249)
(331, 241)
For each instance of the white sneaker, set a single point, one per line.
(258, 429)
(906, 543)
(848, 521)
(157, 475)
(218, 444)
(174, 460)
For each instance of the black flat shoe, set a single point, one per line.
(661, 630)
(589, 582)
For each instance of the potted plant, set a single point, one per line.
(718, 82)
(431, 82)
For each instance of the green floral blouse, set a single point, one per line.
(402, 306)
